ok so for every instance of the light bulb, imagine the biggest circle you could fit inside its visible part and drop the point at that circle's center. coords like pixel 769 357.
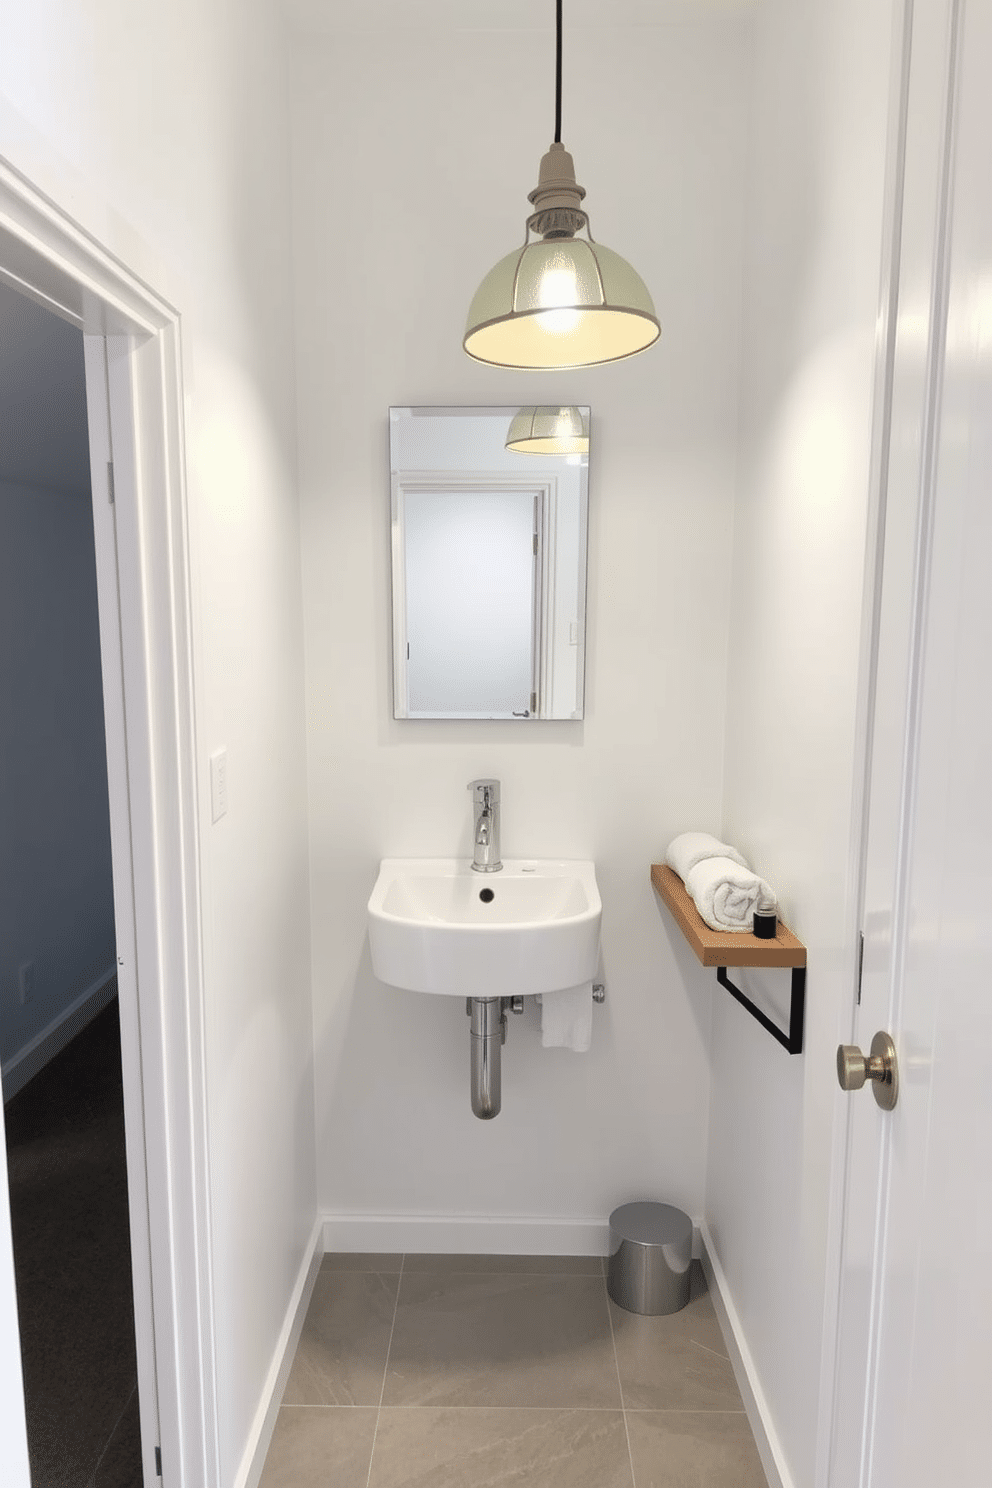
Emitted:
pixel 558 292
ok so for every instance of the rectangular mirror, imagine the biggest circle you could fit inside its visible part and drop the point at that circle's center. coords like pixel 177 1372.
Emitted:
pixel 489 561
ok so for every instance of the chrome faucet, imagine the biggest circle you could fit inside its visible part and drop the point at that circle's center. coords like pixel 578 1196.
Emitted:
pixel 485 831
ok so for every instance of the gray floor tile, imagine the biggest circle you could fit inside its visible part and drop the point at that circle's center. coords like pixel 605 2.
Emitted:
pixel 698 1320
pixel 320 1447
pixel 500 1448
pixel 677 1362
pixel 693 1449
pixel 342 1350
pixel 502 1340
pixel 542 1265
pixel 353 1260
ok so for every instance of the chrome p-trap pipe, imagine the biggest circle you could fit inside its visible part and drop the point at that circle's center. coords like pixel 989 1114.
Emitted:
pixel 488 1032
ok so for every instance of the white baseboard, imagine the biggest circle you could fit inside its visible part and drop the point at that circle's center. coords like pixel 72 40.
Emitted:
pixel 446 1234
pixel 25 1064
pixel 264 1424
pixel 755 1404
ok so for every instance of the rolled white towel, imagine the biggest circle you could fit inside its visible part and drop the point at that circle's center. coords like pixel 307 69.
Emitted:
pixel 693 847
pixel 727 895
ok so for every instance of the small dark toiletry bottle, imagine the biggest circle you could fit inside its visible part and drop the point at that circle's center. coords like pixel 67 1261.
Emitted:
pixel 765 924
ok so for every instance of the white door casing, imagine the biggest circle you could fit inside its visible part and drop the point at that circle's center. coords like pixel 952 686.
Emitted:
pixel 916 1297
pixel 143 589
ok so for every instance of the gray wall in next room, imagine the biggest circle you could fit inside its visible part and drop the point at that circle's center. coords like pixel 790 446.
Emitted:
pixel 56 890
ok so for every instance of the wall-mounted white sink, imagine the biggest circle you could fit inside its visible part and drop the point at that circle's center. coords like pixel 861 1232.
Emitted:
pixel 437 925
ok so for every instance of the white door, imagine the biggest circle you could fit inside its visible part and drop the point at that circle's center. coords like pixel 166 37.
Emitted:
pixel 913 1397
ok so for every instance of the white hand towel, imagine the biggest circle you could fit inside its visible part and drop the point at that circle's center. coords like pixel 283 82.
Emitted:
pixel 727 895
pixel 693 847
pixel 566 1018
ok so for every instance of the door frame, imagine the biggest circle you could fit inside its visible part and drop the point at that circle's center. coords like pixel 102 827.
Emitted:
pixel 153 797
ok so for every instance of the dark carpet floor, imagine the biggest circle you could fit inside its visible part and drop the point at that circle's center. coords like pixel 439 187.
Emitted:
pixel 68 1195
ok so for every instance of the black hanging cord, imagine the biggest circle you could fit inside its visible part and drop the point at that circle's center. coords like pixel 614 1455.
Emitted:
pixel 558 76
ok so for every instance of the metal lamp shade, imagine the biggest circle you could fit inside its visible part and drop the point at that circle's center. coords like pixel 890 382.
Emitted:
pixel 549 431
pixel 562 302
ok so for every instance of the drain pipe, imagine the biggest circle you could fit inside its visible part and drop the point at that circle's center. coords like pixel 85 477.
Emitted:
pixel 488 1016
pixel 488 1034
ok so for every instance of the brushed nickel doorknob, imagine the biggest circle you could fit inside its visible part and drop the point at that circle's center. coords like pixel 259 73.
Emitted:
pixel 880 1067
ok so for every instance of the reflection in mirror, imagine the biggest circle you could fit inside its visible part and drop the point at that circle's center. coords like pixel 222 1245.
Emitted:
pixel 549 431
pixel 489 568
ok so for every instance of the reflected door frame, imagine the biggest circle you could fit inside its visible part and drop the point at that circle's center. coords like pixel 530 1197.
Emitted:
pixel 545 492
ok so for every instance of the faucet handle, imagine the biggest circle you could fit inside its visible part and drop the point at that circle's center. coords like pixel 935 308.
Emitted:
pixel 486 791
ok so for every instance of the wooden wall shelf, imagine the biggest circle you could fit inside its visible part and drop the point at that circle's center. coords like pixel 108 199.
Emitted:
pixel 713 948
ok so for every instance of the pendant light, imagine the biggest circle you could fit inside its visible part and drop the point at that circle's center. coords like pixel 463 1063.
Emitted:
pixel 563 301
pixel 549 431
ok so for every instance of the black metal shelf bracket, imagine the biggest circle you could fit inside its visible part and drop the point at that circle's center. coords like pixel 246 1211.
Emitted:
pixel 793 1040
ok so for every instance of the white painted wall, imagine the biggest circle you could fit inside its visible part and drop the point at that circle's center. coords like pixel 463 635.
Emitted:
pixel 811 297
pixel 414 150
pixel 163 130
pixel 56 889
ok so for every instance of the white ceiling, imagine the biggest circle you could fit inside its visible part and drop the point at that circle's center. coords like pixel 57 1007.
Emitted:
pixel 43 436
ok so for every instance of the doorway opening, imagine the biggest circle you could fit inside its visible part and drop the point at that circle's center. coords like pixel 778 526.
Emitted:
pixel 131 342
pixel 60 1032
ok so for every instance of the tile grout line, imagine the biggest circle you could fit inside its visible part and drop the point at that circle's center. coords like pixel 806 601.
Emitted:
pixel 616 1365
pixel 606 1410
pixel 715 1353
pixel 683 1410
pixel 385 1370
pixel 611 1410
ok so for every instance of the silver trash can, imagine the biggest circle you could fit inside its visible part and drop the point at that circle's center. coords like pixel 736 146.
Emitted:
pixel 650 1256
